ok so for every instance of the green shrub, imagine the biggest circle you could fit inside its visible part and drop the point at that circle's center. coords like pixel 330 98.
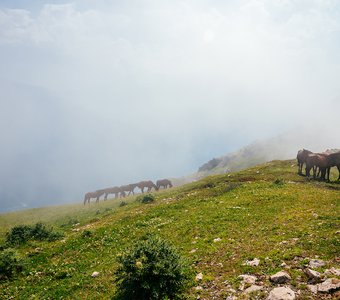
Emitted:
pixel 148 198
pixel 21 234
pixel 278 181
pixel 86 233
pixel 151 269
pixel 123 203
pixel 9 264
pixel 18 235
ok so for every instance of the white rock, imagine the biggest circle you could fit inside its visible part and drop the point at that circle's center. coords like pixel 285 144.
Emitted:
pixel 312 288
pixel 329 286
pixel 281 293
pixel 199 276
pixel 316 263
pixel 332 271
pixel 198 288
pixel 193 251
pixel 248 279
pixel 254 263
pixel 217 240
pixel 280 277
pixel 313 276
pixel 253 288
pixel 95 274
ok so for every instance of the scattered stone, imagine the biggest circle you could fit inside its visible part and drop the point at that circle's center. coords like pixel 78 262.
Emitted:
pixel 312 288
pixel 199 276
pixel 253 288
pixel 280 277
pixel 338 232
pixel 281 293
pixel 254 263
pixel 198 288
pixel 313 276
pixel 248 279
pixel 329 286
pixel 315 215
pixel 316 263
pixel 95 274
pixel 283 243
pixel 217 240
pixel 193 251
pixel 332 271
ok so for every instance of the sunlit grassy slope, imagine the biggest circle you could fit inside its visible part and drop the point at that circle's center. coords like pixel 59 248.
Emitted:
pixel 267 212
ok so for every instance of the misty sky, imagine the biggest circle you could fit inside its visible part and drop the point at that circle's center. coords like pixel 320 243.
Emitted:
pixel 103 93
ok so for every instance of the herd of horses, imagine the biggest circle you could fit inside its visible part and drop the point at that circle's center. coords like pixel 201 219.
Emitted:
pixel 126 190
pixel 320 163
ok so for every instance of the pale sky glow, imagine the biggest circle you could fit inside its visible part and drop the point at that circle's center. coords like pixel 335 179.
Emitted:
pixel 103 93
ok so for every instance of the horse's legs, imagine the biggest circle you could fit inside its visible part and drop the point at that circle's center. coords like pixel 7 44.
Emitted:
pixel 327 173
pixel 307 171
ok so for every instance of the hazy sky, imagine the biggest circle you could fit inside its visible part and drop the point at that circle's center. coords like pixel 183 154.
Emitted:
pixel 102 93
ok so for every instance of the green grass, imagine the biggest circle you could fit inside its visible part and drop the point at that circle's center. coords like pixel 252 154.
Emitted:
pixel 268 212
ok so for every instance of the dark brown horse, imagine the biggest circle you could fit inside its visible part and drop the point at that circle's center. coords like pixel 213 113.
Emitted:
pixel 90 195
pixel 163 183
pixel 301 158
pixel 146 184
pixel 314 161
pixel 333 160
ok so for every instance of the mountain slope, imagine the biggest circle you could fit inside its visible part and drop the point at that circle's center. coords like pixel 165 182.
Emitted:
pixel 218 223
pixel 283 146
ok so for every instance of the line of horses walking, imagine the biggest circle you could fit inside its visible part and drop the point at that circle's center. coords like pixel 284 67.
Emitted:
pixel 320 163
pixel 126 190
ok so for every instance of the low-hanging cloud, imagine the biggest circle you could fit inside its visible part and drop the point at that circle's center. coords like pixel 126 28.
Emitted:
pixel 98 94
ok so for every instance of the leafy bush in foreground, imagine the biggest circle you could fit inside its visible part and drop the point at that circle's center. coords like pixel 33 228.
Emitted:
pixel 151 269
pixel 21 234
pixel 149 198
pixel 9 264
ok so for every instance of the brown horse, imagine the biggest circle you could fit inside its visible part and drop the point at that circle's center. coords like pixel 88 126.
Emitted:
pixel 163 183
pixel 146 184
pixel 333 160
pixel 129 188
pixel 301 158
pixel 314 161
pixel 90 195
pixel 113 190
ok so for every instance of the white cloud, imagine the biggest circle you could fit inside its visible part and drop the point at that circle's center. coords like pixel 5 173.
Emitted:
pixel 149 87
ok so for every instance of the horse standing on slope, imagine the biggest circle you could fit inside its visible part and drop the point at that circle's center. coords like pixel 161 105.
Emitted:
pixel 164 183
pixel 113 190
pixel 146 184
pixel 90 195
pixel 333 160
pixel 301 158
pixel 314 161
pixel 129 188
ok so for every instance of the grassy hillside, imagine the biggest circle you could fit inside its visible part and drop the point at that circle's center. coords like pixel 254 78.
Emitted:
pixel 266 212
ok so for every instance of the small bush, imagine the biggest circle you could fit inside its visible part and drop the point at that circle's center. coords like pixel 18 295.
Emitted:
pixel 18 235
pixel 279 181
pixel 86 234
pixel 21 234
pixel 151 269
pixel 149 198
pixel 9 264
pixel 123 203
